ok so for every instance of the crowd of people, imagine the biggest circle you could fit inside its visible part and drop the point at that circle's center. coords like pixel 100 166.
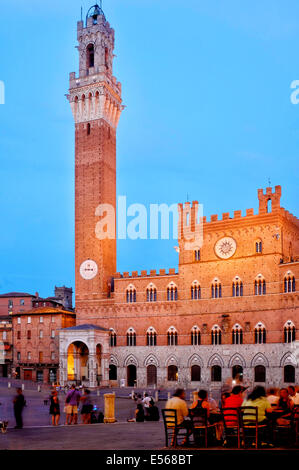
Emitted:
pixel 273 407
pixel 146 409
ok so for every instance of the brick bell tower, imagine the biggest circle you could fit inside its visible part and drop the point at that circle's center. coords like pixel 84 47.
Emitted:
pixel 95 98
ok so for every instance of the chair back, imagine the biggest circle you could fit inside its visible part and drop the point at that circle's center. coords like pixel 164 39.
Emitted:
pixel 230 417
pixel 249 415
pixel 169 418
pixel 199 417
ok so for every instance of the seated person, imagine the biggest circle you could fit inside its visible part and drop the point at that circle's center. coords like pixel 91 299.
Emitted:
pixel 139 415
pixel 286 405
pixel 152 412
pixel 201 403
pixel 178 403
pixel 257 398
pixel 272 397
pixel 235 400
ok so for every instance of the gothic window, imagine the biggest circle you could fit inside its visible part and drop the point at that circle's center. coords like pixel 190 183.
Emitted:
pixel 289 332
pixel 151 293
pixel 260 285
pixel 112 372
pixel 131 337
pixel 172 337
pixel 151 337
pixel 195 373
pixel 88 129
pixel 195 336
pixel 112 338
pixel 237 334
pixel 195 291
pixel 260 334
pixel 172 292
pixel 216 374
pixel 289 374
pixel 260 373
pixel 216 289
pixel 197 255
pixel 131 294
pixel 172 373
pixel 216 335
pixel 90 55
pixel 289 283
pixel 237 287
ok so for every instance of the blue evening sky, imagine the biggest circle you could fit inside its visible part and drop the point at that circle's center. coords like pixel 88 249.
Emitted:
pixel 206 86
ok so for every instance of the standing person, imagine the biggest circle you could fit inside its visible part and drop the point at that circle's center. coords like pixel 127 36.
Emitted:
pixel 72 402
pixel 178 403
pixel 55 408
pixel 146 403
pixel 87 407
pixel 19 403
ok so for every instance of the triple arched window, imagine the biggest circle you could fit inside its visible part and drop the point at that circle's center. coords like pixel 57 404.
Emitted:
pixel 131 337
pixel 131 294
pixel 172 292
pixel 259 285
pixel 151 337
pixel 289 331
pixel 172 337
pixel 151 293
pixel 289 282
pixel 237 287
pixel 216 335
pixel 216 289
pixel 237 334
pixel 112 338
pixel 260 334
pixel 195 291
pixel 195 336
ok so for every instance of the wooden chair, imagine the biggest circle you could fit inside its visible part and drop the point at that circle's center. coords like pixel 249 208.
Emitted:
pixel 199 417
pixel 288 432
pixel 250 426
pixel 231 420
pixel 172 429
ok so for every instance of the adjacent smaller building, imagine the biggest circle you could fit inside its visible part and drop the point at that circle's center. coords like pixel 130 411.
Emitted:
pixel 35 340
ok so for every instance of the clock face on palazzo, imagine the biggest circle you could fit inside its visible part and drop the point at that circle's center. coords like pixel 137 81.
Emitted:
pixel 225 247
pixel 88 269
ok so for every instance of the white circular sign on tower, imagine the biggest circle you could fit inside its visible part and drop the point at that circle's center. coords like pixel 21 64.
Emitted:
pixel 88 269
pixel 225 247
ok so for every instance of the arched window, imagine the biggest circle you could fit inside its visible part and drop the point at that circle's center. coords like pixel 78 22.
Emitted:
pixel 195 336
pixel 260 373
pixel 90 55
pixel 259 285
pixel 112 372
pixel 131 294
pixel 289 332
pixel 260 334
pixel 197 255
pixel 237 287
pixel 195 373
pixel 195 291
pixel 289 374
pixel 216 335
pixel 172 373
pixel 112 338
pixel 237 373
pixel 237 334
pixel 216 289
pixel 216 374
pixel 151 337
pixel 172 292
pixel 131 337
pixel 258 246
pixel 289 282
pixel 88 129
pixel 172 337
pixel 151 293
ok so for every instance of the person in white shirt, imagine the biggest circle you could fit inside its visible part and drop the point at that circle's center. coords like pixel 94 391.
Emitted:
pixel 293 395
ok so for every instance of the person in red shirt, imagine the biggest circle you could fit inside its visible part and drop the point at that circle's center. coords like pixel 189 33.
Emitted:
pixel 235 400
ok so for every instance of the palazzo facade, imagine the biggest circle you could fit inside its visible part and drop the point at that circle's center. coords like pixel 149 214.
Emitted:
pixel 230 311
